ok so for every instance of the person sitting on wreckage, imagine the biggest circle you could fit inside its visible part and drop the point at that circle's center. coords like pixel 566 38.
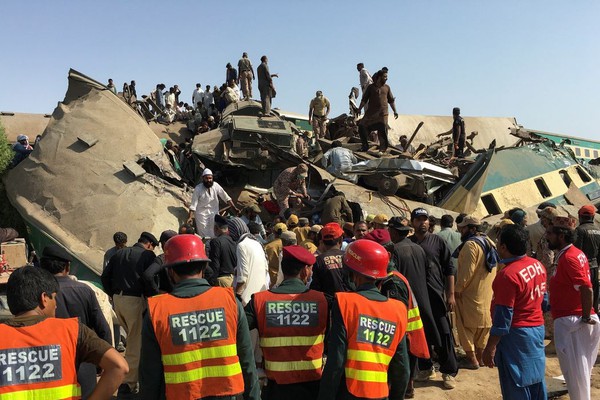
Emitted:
pixel 338 160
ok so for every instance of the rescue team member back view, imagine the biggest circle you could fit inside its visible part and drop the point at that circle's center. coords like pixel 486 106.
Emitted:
pixel 291 322
pixel 195 340
pixel 364 357
pixel 39 353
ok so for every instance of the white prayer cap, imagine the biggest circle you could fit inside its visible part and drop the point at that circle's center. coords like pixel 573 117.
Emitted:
pixel 206 172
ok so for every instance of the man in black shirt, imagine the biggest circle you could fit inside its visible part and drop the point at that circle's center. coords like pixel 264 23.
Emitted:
pixel 440 283
pixel 122 281
pixel 156 279
pixel 587 239
pixel 328 276
pixel 222 253
pixel 76 299
pixel 458 133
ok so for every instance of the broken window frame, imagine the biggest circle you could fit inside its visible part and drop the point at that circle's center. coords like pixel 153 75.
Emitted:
pixel 540 183
pixel 566 178
pixel 490 204
pixel 583 175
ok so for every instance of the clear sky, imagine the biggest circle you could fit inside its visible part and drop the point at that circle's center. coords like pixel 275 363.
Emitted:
pixel 534 60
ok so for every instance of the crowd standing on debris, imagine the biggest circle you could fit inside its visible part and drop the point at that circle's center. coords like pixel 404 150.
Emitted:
pixel 268 301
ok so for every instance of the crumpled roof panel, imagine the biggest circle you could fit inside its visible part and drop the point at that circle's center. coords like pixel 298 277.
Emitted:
pixel 74 187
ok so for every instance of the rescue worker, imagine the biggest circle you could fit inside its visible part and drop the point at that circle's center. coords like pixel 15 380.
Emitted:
pixel 195 340
pixel 36 341
pixel 317 114
pixel 396 286
pixel 364 355
pixel 76 300
pixel 291 322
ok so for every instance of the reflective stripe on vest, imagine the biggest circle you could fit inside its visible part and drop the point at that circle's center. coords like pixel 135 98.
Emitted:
pixel 54 393
pixel 40 360
pixel 417 341
pixel 291 329
pixel 374 330
pixel 197 338
pixel 291 341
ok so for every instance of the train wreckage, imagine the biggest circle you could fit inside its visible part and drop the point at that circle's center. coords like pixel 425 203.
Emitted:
pixel 99 167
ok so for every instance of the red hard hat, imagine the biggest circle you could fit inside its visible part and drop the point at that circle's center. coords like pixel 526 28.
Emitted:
pixel 367 257
pixel 184 249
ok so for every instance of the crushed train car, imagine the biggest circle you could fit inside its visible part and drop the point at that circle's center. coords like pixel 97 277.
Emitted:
pixel 88 177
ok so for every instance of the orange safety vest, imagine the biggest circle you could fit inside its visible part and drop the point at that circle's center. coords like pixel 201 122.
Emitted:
pixel 374 330
pixel 414 330
pixel 197 338
pixel 292 330
pixel 38 361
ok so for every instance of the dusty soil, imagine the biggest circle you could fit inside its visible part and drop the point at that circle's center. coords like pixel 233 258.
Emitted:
pixel 483 384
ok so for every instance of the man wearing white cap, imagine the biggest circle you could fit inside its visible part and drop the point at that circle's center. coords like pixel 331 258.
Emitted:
pixel 22 149
pixel 205 204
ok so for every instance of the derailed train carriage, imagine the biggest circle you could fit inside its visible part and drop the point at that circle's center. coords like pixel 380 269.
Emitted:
pixel 99 168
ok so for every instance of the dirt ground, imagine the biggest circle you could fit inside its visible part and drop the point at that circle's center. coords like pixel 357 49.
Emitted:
pixel 483 384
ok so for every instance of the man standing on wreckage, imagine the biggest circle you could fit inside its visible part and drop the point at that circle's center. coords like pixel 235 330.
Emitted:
pixel 378 95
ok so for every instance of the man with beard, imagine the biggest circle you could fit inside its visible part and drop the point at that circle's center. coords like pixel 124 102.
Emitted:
pixel 576 328
pixel 440 282
pixel 205 204
pixel 411 261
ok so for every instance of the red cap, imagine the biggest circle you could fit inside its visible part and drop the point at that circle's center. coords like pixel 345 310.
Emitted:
pixel 298 253
pixel 331 231
pixel 380 236
pixel 587 210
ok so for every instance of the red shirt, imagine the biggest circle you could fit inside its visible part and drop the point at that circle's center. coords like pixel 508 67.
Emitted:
pixel 571 272
pixel 521 285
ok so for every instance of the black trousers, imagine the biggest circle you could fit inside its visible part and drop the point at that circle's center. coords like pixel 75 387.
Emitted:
pixel 381 128
pixel 460 151
pixel 446 356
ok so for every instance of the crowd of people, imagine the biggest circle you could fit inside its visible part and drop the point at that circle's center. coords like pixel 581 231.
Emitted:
pixel 339 305
pixel 206 106
pixel 335 304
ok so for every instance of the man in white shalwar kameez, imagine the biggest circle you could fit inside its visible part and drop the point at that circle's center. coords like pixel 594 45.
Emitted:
pixel 576 325
pixel 205 204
